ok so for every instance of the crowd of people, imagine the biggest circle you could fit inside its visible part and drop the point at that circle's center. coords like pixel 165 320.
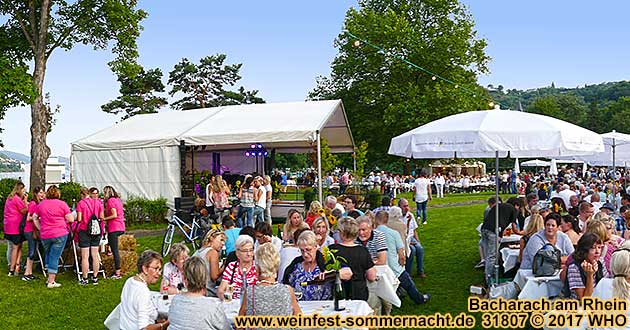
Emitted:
pixel 586 218
pixel 270 273
pixel 43 219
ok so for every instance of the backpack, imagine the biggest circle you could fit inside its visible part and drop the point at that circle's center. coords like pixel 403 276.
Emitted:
pixel 546 261
pixel 94 224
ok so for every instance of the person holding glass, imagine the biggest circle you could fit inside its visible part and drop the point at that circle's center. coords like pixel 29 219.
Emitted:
pixel 241 272
pixel 173 278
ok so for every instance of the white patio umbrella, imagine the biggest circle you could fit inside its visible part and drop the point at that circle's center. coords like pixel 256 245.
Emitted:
pixel 495 133
pixel 536 163
pixel 616 150
pixel 517 169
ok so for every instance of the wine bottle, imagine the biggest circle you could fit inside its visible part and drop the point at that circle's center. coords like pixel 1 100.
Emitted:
pixel 328 278
pixel 338 294
pixel 279 232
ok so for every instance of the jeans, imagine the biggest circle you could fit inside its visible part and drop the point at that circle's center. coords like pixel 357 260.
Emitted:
pixel 54 248
pixel 421 208
pixel 417 251
pixel 259 214
pixel 407 283
pixel 245 212
pixel 32 246
pixel 112 239
pixel 489 244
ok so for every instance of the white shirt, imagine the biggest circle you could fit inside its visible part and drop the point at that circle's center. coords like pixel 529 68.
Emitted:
pixel 422 189
pixel 439 180
pixel 286 257
pixel 268 188
pixel 411 227
pixel 262 200
pixel 137 310
pixel 566 196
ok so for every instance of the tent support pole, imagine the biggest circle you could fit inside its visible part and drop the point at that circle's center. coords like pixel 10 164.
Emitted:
pixel 319 167
pixel 496 218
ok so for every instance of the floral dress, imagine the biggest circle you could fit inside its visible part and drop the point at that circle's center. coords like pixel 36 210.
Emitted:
pixel 309 292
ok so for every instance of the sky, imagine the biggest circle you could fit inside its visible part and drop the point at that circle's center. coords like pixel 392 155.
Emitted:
pixel 285 45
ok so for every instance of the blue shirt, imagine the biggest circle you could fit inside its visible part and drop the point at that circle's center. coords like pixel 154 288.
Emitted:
pixel 394 243
pixel 232 235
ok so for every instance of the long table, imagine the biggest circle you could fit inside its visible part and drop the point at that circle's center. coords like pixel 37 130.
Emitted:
pixel 321 307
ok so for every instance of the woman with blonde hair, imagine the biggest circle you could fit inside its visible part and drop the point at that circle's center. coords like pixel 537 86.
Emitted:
pixel 536 224
pixel 294 222
pixel 115 219
pixel 219 195
pixel 14 211
pixel 313 213
pixel 603 230
pixel 267 296
pixel 210 252
pixel 322 232
pixel 193 309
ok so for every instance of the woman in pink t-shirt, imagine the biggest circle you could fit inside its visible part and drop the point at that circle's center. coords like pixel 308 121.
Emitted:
pixel 14 211
pixel 31 233
pixel 89 205
pixel 115 217
pixel 53 217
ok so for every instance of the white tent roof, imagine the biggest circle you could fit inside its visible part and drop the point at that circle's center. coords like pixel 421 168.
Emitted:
pixel 288 127
pixel 482 133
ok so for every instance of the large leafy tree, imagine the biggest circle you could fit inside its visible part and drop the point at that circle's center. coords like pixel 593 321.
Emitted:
pixel 137 94
pixel 42 26
pixel 383 95
pixel 205 84
pixel 567 107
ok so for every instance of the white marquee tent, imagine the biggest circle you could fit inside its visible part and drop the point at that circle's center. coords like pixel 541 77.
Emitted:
pixel 141 155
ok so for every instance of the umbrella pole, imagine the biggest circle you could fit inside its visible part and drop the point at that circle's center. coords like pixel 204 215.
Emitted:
pixel 496 218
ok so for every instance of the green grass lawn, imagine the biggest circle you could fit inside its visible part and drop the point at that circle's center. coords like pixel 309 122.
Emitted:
pixel 451 251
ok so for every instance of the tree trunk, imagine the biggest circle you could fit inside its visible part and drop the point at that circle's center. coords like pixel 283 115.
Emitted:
pixel 40 125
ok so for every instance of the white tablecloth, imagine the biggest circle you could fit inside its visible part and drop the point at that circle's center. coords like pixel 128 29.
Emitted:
pixel 386 284
pixel 510 257
pixel 537 287
pixel 321 307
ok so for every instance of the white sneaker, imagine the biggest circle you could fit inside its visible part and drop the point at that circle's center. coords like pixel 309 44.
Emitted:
pixel 52 285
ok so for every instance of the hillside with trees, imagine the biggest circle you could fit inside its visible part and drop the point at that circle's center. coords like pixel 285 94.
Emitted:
pixel 601 108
